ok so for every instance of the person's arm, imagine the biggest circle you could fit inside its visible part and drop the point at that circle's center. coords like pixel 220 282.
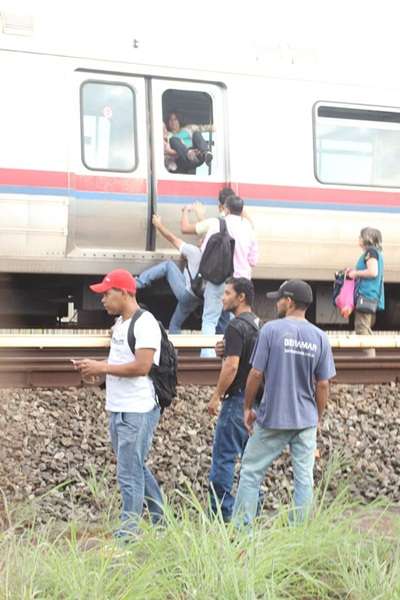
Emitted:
pixel 168 151
pixel 166 233
pixel 199 210
pixel 226 377
pixel 321 396
pixel 233 350
pixel 253 383
pixel 253 253
pixel 139 367
pixel 325 370
pixel 186 226
pixel 245 215
pixel 193 127
pixel 167 148
pixel 371 271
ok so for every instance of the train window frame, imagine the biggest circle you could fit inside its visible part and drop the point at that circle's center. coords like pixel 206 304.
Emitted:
pixel 354 112
pixel 210 100
pixel 81 118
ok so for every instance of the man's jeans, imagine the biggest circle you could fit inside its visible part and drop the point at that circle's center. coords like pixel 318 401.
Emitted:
pixel 211 313
pixel 187 302
pixel 224 319
pixel 230 439
pixel 131 436
pixel 263 447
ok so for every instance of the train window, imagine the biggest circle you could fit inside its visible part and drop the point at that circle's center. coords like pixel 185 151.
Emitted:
pixel 357 146
pixel 188 132
pixel 108 127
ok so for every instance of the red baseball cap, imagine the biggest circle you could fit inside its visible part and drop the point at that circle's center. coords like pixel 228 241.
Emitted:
pixel 119 279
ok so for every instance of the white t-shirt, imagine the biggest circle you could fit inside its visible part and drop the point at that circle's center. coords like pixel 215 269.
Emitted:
pixel 192 254
pixel 132 394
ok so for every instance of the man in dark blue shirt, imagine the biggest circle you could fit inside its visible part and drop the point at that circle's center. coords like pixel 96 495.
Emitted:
pixel 296 361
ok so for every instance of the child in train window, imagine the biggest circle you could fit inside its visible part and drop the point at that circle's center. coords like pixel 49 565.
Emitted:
pixel 185 149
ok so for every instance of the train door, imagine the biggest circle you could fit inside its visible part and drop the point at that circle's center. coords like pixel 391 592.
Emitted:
pixel 109 208
pixel 197 109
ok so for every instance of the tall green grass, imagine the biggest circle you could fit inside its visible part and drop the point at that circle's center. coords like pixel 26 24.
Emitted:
pixel 192 557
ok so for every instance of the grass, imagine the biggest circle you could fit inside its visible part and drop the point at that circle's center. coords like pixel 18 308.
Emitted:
pixel 329 557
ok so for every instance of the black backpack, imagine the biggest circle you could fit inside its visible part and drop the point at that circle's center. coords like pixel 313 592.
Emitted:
pixel 164 375
pixel 197 285
pixel 340 277
pixel 216 263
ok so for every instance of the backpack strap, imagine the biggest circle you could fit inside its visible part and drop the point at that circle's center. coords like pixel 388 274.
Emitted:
pixel 131 334
pixel 244 324
pixel 254 323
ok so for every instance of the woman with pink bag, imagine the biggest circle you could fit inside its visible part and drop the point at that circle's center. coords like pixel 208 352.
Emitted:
pixel 369 285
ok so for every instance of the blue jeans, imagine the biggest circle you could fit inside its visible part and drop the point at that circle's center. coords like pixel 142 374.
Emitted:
pixel 230 438
pixel 223 321
pixel 131 436
pixel 263 447
pixel 211 313
pixel 187 302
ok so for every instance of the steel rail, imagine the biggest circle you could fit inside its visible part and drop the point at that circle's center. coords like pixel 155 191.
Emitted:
pixel 52 367
pixel 95 340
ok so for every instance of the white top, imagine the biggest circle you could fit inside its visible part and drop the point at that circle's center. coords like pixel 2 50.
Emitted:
pixel 132 394
pixel 192 254
pixel 246 251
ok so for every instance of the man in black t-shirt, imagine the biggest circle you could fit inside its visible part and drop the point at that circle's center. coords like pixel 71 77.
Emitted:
pixel 230 435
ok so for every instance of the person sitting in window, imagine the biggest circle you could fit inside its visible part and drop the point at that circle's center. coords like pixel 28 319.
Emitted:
pixel 169 154
pixel 185 146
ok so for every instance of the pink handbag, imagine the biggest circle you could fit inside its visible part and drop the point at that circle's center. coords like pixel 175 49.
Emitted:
pixel 345 299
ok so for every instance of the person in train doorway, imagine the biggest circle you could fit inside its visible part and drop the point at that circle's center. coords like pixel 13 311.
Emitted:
pixel 130 398
pixel 245 256
pixel 295 360
pixel 230 436
pixel 201 228
pixel 179 282
pixel 369 276
pixel 185 145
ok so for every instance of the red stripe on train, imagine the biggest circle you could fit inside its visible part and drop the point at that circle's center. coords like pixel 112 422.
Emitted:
pixel 100 183
pixel 188 188
pixel 85 183
pixel 33 178
pixel 253 191
pixel 329 195
pixel 277 192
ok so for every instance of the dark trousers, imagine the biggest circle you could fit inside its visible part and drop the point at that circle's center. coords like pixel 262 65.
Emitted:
pixel 223 321
pixel 185 165
pixel 230 438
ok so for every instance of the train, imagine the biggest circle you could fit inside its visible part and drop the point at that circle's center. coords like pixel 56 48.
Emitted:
pixel 82 170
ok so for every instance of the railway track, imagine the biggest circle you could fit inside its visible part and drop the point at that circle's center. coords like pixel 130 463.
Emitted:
pixel 43 359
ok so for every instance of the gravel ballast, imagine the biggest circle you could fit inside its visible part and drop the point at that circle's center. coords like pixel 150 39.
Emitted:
pixel 59 437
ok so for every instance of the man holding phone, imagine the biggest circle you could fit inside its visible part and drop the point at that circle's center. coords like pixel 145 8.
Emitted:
pixel 130 397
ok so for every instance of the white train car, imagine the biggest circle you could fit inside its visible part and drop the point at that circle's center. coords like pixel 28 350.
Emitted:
pixel 82 168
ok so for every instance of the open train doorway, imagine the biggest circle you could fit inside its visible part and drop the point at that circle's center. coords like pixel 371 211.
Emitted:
pixel 190 154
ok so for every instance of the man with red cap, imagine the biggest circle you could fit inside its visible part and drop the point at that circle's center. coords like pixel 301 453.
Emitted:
pixel 130 397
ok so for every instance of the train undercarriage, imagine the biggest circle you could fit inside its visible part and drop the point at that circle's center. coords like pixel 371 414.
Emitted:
pixel 65 301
